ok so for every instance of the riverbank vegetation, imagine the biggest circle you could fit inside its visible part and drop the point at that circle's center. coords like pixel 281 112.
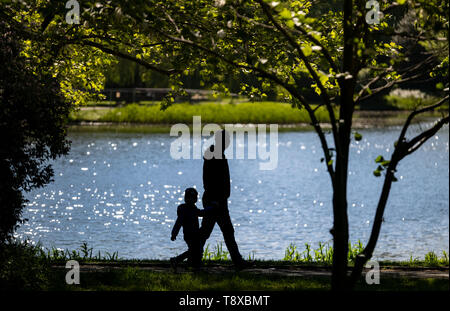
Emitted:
pixel 210 112
pixel 27 266
pixel 227 111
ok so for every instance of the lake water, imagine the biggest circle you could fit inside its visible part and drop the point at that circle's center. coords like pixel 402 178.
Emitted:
pixel 119 192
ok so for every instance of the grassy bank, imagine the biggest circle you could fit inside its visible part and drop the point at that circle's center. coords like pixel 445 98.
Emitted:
pixel 322 255
pixel 132 278
pixel 24 266
pixel 210 112
pixel 149 118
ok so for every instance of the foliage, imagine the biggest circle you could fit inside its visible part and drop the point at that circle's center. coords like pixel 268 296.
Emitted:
pixel 432 259
pixel 84 253
pixel 33 125
pixel 217 254
pixel 323 254
pixel 22 267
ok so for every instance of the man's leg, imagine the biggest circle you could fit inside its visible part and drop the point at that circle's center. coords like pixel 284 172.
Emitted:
pixel 207 226
pixel 206 229
pixel 224 222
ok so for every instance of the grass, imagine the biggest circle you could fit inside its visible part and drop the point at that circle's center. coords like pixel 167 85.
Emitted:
pixel 210 112
pixel 132 278
pixel 135 279
pixel 26 266
pixel 321 256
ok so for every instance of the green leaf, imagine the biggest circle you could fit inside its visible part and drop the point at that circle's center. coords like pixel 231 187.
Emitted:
pixel 379 159
pixel 358 136
pixel 377 173
pixel 285 14
pixel 306 49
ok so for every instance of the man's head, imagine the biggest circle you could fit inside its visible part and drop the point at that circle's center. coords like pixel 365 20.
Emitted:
pixel 222 138
pixel 190 195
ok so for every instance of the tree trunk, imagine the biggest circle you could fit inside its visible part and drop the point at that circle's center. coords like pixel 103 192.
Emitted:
pixel 346 108
pixel 340 238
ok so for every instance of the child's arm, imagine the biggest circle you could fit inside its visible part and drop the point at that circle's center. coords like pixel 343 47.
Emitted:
pixel 176 229
pixel 177 225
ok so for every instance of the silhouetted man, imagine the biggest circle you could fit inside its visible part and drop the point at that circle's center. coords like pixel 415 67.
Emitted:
pixel 216 182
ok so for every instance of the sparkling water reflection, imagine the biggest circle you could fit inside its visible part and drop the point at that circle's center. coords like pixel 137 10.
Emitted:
pixel 119 192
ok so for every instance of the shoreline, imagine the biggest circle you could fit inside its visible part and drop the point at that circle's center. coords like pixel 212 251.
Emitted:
pixel 367 119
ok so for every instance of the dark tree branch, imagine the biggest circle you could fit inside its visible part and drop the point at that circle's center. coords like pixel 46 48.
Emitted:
pixel 390 84
pixel 420 139
pixel 324 93
pixel 413 114
pixel 124 56
pixel 402 149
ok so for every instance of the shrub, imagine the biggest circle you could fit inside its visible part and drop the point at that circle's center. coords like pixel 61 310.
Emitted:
pixel 22 267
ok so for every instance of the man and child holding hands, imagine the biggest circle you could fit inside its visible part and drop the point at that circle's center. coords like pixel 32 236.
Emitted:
pixel 216 183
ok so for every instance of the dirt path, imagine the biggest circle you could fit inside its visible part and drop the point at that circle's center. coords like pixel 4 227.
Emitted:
pixel 438 273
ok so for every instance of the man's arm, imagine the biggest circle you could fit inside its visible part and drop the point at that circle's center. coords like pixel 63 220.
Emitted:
pixel 226 180
pixel 200 212
pixel 206 175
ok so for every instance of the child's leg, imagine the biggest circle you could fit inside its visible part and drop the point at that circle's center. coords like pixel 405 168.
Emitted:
pixel 195 252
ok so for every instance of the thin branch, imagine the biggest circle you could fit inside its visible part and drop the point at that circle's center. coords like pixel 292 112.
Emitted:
pixel 420 139
pixel 413 114
pixel 173 22
pixel 324 93
pixel 373 81
pixel 124 56
pixel 388 85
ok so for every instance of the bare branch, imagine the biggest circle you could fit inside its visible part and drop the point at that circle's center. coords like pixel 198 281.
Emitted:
pixel 420 139
pixel 388 85
pixel 373 81
pixel 413 114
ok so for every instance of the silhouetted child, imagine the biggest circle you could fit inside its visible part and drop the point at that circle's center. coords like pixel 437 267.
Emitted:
pixel 188 214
